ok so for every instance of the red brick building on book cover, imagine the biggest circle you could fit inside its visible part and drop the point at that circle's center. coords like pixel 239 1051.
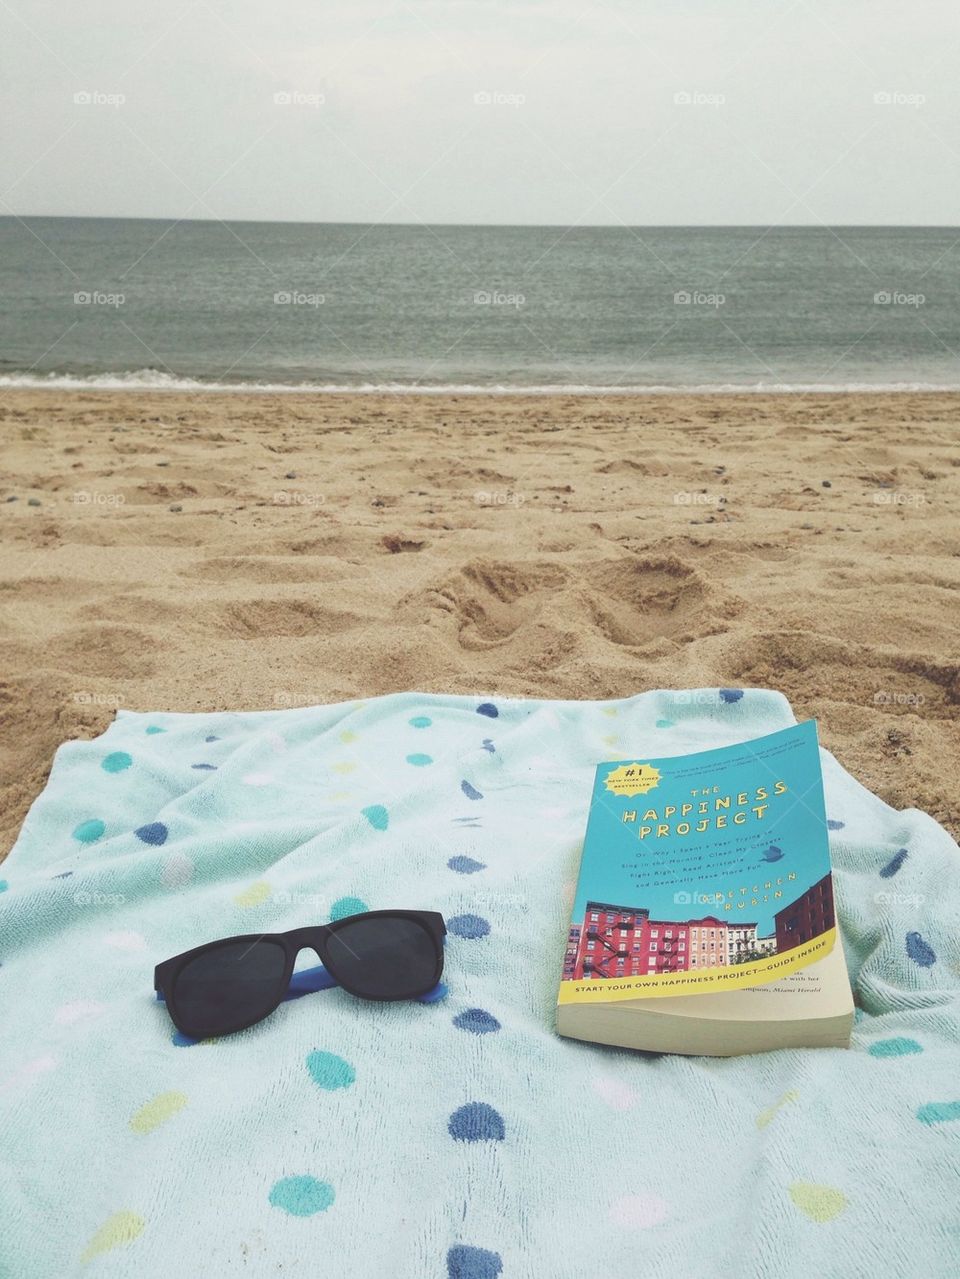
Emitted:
pixel 809 916
pixel 623 941
pixel 609 943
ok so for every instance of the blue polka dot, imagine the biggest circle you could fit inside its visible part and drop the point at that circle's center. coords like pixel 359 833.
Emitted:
pixel 898 1047
pixel 832 825
pixel 180 1040
pixel 665 723
pixel 63 875
pixel 488 708
pixel 90 831
pixel 477 1021
pixel 488 745
pixel 345 906
pixel 419 761
pixel 211 738
pixel 465 865
pixel 116 762
pixel 421 721
pixel 154 728
pixel 302 1196
pixel 464 1262
pixel 476 1121
pixel 329 1071
pixel 152 833
pixel 894 864
pixel 469 926
pixel 471 792
pixel 440 991
pixel 377 816
pixel 920 951
pixel 212 768
pixel 731 694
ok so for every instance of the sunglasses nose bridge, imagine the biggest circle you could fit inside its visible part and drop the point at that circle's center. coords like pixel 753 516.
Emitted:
pixel 306 939
pixel 298 951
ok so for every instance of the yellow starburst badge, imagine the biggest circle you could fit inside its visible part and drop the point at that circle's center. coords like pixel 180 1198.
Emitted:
pixel 632 779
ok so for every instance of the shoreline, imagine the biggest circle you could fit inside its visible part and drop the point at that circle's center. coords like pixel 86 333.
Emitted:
pixel 236 551
pixel 116 385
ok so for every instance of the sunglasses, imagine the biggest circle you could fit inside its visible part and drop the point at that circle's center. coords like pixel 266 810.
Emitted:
pixel 228 985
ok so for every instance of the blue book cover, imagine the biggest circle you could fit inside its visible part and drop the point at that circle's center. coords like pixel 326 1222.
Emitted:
pixel 702 872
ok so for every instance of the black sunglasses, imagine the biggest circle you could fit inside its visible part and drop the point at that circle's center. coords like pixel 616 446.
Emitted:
pixel 228 985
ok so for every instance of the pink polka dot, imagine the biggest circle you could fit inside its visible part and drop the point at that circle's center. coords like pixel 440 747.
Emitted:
pixel 126 941
pixel 276 741
pixel 177 871
pixel 79 1010
pixel 615 1093
pixel 39 1066
pixel 639 1212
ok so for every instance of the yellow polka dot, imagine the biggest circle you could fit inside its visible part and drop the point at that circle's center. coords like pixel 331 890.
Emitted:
pixel 610 710
pixel 343 769
pixel 611 740
pixel 767 1116
pixel 347 737
pixel 819 1203
pixel 157 1111
pixel 122 1227
pixel 253 895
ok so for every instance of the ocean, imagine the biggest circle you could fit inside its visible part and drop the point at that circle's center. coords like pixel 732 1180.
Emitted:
pixel 117 303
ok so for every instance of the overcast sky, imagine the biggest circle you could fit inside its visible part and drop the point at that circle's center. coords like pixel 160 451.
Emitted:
pixel 566 112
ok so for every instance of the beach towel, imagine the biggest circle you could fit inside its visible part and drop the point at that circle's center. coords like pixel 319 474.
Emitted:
pixel 457 1138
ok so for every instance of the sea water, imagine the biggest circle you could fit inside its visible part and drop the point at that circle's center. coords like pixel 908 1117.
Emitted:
pixel 127 303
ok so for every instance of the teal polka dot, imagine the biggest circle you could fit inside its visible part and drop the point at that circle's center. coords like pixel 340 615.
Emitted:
pixel 421 721
pixel 345 906
pixel 117 762
pixel 302 1196
pixel 90 831
pixel 377 816
pixel 898 1047
pixel 419 761
pixel 154 728
pixel 939 1112
pixel 3 885
pixel 664 723
pixel 330 1071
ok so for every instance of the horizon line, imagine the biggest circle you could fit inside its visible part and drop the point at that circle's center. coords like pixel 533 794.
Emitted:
pixel 480 226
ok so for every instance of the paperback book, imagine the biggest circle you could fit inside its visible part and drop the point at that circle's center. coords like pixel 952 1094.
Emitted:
pixel 704 917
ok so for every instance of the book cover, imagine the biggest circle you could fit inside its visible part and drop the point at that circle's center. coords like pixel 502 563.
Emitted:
pixel 702 873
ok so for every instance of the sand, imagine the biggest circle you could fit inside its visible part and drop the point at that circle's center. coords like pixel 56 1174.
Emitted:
pixel 235 551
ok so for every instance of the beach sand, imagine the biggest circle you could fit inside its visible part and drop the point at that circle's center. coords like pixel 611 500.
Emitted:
pixel 208 552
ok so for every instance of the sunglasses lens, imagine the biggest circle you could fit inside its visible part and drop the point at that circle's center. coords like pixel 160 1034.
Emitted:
pixel 229 986
pixel 384 958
